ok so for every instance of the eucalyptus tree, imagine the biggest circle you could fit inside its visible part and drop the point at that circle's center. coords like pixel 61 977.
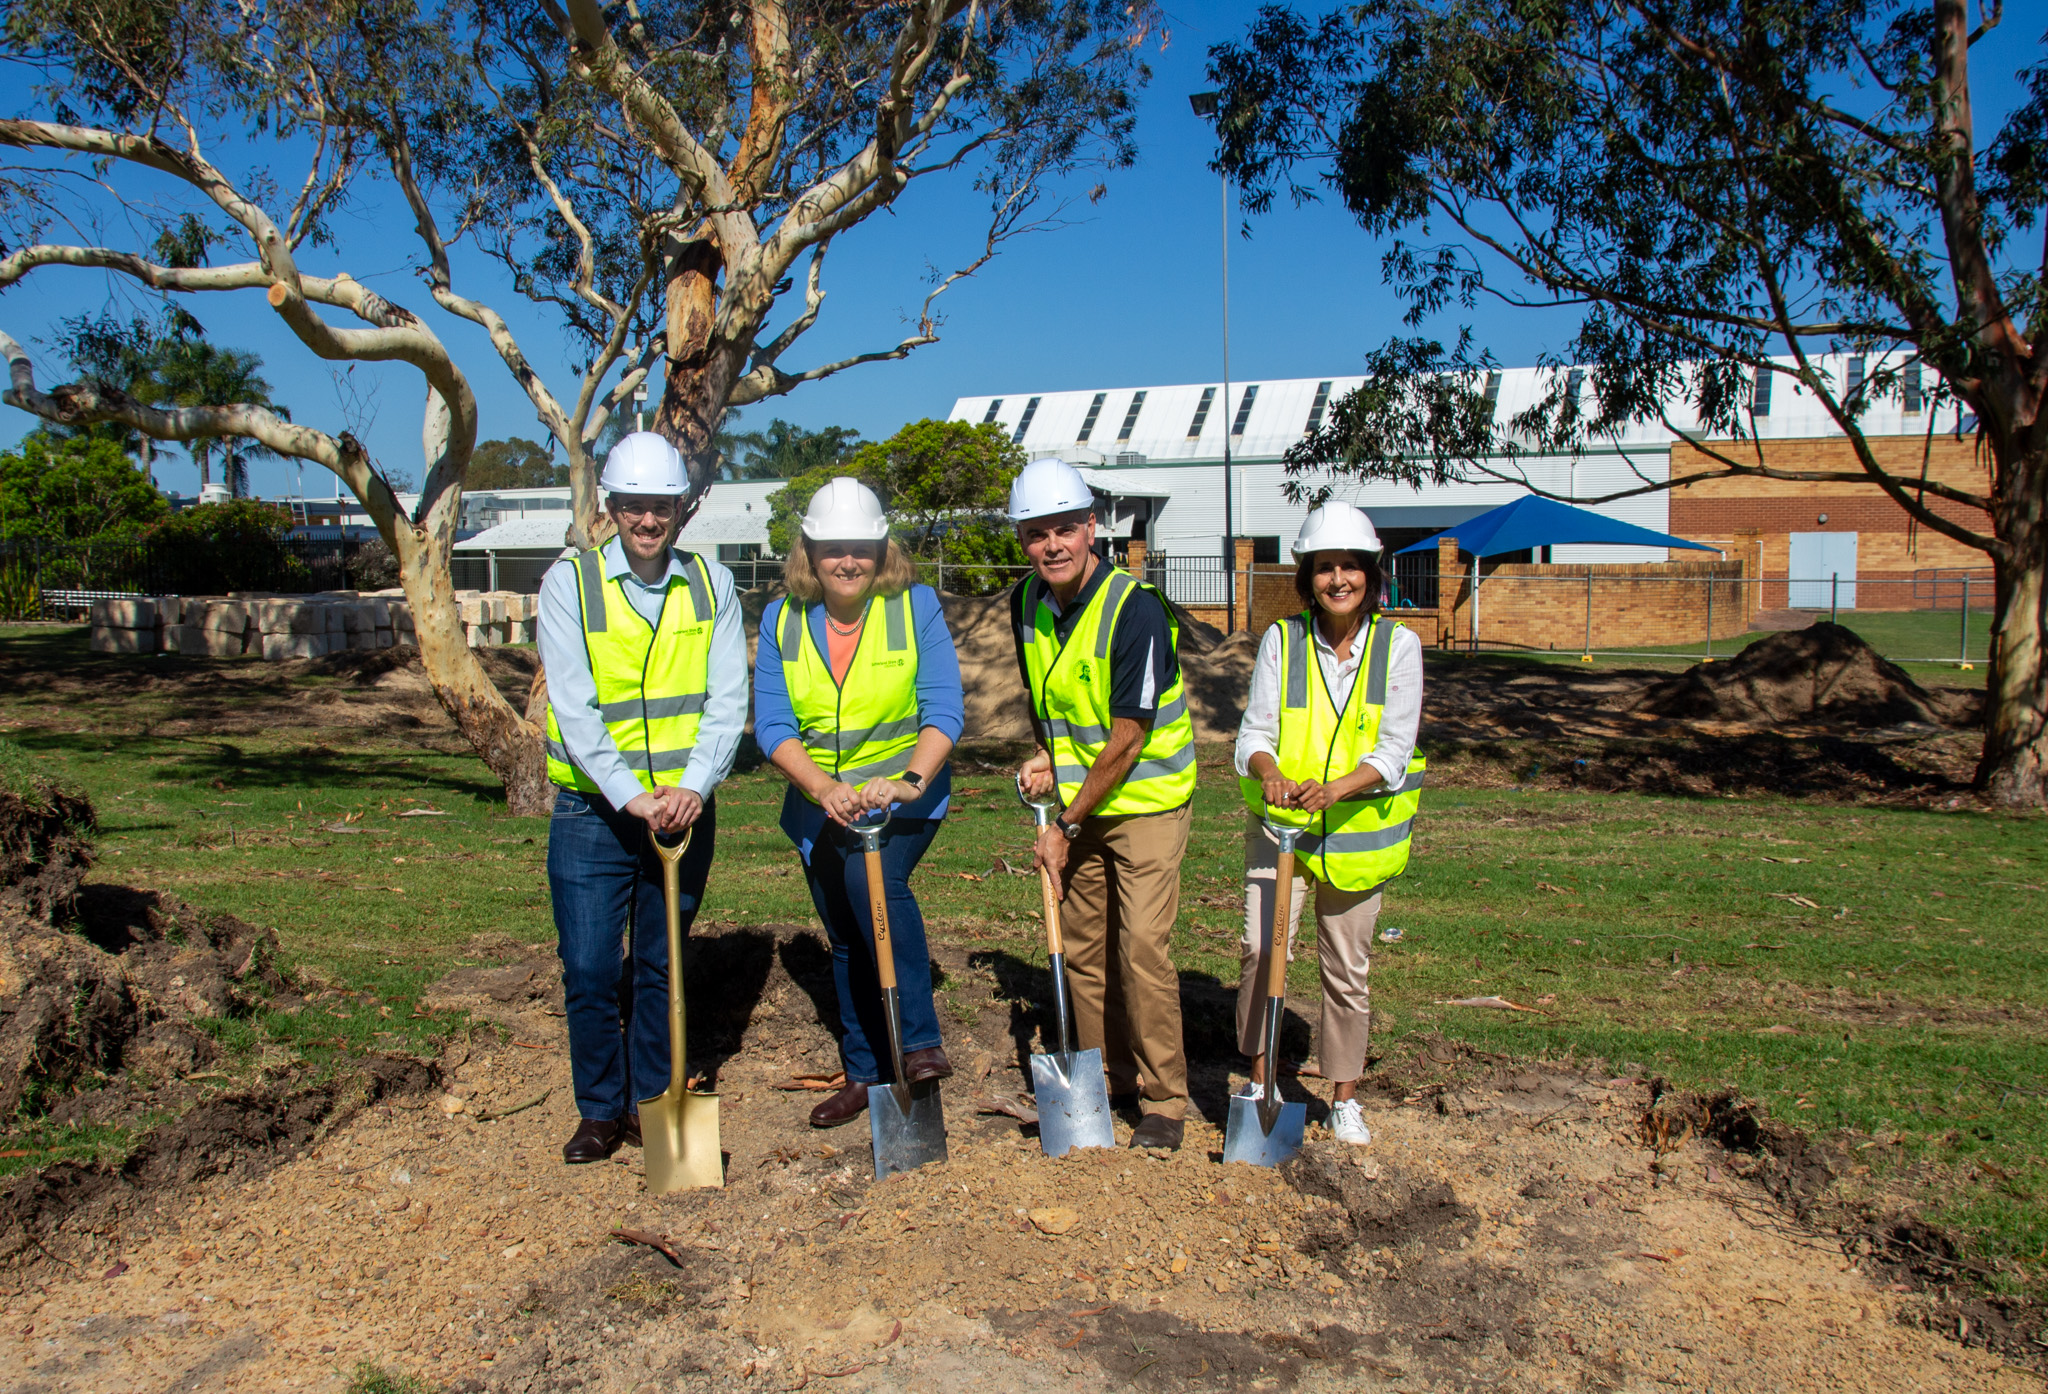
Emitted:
pixel 665 178
pixel 1721 193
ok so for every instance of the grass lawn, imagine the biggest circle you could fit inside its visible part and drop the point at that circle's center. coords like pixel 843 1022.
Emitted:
pixel 1867 972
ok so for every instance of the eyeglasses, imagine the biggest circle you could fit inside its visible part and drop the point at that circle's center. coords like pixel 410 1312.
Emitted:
pixel 662 509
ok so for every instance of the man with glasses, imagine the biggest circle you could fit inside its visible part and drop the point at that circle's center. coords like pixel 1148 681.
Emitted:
pixel 646 665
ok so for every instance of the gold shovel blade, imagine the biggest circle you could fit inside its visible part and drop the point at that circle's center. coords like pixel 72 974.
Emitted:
pixel 679 1133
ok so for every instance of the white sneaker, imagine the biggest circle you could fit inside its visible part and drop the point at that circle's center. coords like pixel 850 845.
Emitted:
pixel 1347 1121
pixel 1251 1090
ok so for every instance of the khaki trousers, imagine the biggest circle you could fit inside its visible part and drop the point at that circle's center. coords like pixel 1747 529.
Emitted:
pixel 1344 928
pixel 1123 894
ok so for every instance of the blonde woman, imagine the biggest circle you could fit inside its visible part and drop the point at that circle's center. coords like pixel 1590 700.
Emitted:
pixel 1328 745
pixel 857 701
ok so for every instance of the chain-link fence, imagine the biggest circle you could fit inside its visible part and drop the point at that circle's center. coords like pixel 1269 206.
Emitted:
pixel 44 580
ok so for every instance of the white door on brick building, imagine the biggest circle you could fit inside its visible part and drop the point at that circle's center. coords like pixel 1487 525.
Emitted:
pixel 1817 560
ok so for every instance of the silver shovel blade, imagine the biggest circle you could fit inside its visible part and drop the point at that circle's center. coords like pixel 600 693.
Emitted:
pixel 1073 1102
pixel 1245 1141
pixel 908 1126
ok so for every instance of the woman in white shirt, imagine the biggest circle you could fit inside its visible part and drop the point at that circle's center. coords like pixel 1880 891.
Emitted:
pixel 1328 745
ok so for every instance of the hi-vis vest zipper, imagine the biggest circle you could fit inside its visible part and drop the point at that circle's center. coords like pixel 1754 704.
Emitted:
pixel 1357 844
pixel 1070 694
pixel 867 725
pixel 651 679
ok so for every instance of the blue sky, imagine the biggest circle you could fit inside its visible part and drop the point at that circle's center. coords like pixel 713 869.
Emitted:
pixel 1126 294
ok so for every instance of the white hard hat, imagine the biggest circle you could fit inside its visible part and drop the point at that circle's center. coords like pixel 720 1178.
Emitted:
pixel 1045 487
pixel 845 510
pixel 644 463
pixel 1336 527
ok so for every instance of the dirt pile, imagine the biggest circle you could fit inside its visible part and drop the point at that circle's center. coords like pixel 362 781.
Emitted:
pixel 1821 673
pixel 44 846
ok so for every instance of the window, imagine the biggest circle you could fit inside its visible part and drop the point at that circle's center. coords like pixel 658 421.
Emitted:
pixel 1131 417
pixel 1914 401
pixel 1024 421
pixel 1573 382
pixel 1760 392
pixel 993 408
pixel 1265 551
pixel 1244 409
pixel 1202 413
pixel 1855 376
pixel 1088 426
pixel 1492 391
pixel 1316 408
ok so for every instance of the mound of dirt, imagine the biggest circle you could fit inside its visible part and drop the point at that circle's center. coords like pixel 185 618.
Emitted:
pixel 44 851
pixel 121 988
pixel 1821 673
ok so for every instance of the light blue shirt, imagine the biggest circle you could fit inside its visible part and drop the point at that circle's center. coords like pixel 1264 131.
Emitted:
pixel 941 705
pixel 572 690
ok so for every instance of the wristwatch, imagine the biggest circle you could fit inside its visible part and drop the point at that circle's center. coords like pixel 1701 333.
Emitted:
pixel 1070 831
pixel 912 778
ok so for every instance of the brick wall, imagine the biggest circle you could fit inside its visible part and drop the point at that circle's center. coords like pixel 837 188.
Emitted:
pixel 1890 548
pixel 1620 606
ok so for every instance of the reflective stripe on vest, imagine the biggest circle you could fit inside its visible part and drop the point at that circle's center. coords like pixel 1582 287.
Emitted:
pixel 868 724
pixel 1358 844
pixel 652 679
pixel 1070 685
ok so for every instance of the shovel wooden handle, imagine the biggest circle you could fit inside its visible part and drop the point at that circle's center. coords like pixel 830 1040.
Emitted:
pixel 1283 918
pixel 878 912
pixel 1053 941
pixel 671 887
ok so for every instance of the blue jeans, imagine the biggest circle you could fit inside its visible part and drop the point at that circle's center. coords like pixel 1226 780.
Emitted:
pixel 606 883
pixel 837 872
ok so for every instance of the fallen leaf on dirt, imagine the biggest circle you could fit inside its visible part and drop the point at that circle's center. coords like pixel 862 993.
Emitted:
pixel 978 1068
pixel 1786 861
pixel 1795 899
pixel 1004 866
pixel 1090 1312
pixel 18 1152
pixel 423 813
pixel 336 828
pixel 833 1081
pixel 117 1270
pixel 1500 1003
pixel 650 1240
pixel 1547 999
pixel 1763 946
pixel 1054 1219
pixel 894 1332
pixel 1671 1257
pixel 1777 1031
pixel 1073 1340
pixel 1011 1105
pixel 451 1105
pixel 1555 890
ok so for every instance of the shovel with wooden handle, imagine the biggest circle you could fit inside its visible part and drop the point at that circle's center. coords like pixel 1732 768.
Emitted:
pixel 907 1121
pixel 679 1129
pixel 1068 1084
pixel 1264 1131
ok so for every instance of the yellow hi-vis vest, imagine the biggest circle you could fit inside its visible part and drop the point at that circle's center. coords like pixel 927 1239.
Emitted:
pixel 1070 697
pixel 1357 844
pixel 867 725
pixel 651 679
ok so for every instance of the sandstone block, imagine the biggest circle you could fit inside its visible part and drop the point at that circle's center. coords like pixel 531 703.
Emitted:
pixel 231 616
pixel 282 646
pixel 126 612
pixel 108 639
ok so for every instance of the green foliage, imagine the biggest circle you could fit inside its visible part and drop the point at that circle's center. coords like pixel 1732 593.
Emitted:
pixel 785 450
pixel 373 568
pixel 80 489
pixel 517 463
pixel 945 485
pixel 237 545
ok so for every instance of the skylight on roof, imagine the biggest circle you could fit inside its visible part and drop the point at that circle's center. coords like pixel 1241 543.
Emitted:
pixel 993 408
pixel 1088 425
pixel 1202 413
pixel 1244 409
pixel 1131 417
pixel 1316 408
pixel 1024 421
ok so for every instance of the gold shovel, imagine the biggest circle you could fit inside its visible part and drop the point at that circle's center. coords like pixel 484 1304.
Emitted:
pixel 679 1129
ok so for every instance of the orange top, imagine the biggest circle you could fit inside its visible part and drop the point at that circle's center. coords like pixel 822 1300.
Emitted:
pixel 839 647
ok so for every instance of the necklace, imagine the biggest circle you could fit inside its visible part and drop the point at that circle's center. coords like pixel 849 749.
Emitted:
pixel 844 631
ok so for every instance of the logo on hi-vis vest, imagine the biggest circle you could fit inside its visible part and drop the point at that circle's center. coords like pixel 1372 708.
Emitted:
pixel 1086 670
pixel 889 662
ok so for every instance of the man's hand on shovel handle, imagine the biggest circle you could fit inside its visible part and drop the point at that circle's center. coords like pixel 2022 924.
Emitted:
pixel 1050 852
pixel 1036 777
pixel 666 809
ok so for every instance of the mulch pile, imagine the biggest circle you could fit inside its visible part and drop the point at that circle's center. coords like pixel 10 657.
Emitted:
pixel 1821 673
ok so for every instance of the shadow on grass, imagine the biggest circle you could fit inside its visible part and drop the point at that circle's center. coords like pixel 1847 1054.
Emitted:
pixel 200 760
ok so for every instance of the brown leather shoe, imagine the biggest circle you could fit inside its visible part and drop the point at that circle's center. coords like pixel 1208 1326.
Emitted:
pixel 596 1139
pixel 931 1063
pixel 629 1130
pixel 845 1106
pixel 1158 1131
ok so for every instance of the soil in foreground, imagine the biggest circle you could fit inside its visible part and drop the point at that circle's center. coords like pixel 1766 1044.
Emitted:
pixel 1512 1226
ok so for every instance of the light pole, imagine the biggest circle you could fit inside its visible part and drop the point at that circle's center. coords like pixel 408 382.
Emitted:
pixel 1204 106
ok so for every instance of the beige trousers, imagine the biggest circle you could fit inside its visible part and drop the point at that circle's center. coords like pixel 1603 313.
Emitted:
pixel 1123 894
pixel 1344 928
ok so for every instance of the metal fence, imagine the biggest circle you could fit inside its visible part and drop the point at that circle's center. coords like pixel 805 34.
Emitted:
pixel 43 580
